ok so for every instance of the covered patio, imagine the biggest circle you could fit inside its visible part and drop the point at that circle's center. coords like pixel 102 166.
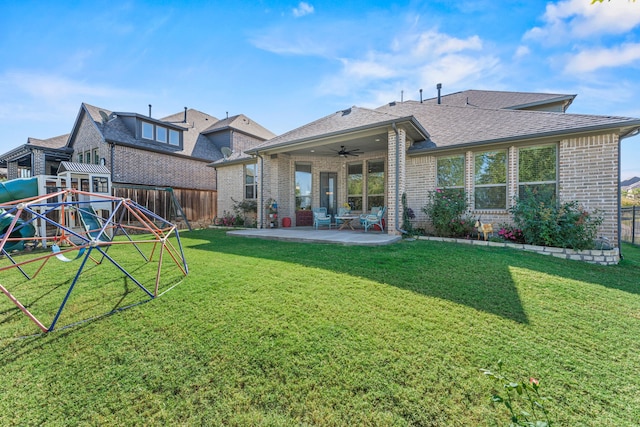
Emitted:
pixel 311 235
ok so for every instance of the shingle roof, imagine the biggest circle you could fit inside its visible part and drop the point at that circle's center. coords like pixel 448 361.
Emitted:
pixel 241 123
pixel 55 142
pixel 194 143
pixel 450 126
pixel 499 99
pixel 341 121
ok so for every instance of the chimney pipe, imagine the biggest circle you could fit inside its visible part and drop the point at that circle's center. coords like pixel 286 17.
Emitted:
pixel 439 86
pixel 149 110
pixel 185 115
pixel 402 96
pixel 420 96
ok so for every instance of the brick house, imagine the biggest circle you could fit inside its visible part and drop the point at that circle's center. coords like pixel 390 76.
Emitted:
pixel 140 150
pixel 36 157
pixel 491 144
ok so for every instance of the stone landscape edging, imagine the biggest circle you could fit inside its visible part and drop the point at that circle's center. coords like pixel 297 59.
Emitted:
pixel 592 256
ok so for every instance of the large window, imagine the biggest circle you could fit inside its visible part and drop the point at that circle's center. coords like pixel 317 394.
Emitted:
pixel 375 183
pixel 354 186
pixel 490 180
pixel 303 186
pixel 250 183
pixel 537 169
pixel 451 172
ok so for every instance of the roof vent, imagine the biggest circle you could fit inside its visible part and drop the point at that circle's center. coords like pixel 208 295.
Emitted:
pixel 149 110
pixel 439 86
pixel 185 115
pixel 346 112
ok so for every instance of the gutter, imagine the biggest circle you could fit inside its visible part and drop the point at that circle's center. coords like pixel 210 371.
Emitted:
pixel 534 136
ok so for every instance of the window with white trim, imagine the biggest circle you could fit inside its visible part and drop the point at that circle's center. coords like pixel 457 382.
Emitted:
pixel 490 180
pixel 354 185
pixel 147 130
pixel 450 172
pixel 174 137
pixel 375 183
pixel 161 134
pixel 250 182
pixel 537 169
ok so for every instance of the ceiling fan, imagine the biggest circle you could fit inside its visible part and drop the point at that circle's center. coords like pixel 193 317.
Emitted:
pixel 343 152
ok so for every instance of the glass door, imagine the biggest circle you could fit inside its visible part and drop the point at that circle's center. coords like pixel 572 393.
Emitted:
pixel 329 192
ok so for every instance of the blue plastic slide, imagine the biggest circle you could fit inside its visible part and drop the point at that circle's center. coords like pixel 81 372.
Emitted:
pixel 16 189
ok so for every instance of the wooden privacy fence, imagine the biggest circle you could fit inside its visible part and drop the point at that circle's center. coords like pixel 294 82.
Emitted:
pixel 630 225
pixel 198 206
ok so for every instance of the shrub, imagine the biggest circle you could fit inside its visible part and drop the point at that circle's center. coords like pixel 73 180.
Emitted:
pixel 229 220
pixel 446 208
pixel 510 233
pixel 547 222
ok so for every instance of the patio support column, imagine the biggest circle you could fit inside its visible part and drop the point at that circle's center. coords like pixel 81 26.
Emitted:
pixel 396 164
pixel 37 163
pixel 12 170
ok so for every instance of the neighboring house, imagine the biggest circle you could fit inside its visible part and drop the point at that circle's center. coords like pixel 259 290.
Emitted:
pixel 630 187
pixel 36 157
pixel 493 147
pixel 140 150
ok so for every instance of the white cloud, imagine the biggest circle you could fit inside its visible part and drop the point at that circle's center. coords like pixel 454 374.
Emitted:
pixel 579 19
pixel 413 60
pixel 594 59
pixel 303 9
pixel 45 96
pixel 522 51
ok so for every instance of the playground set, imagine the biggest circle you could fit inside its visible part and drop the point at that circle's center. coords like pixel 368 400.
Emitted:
pixel 57 217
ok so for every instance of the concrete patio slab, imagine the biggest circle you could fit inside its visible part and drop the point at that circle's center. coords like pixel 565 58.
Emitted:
pixel 309 234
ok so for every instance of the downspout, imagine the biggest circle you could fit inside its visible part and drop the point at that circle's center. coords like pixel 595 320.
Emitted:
pixel 630 134
pixel 261 189
pixel 619 202
pixel 397 224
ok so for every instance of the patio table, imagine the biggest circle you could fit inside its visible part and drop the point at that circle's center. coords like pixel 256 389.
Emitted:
pixel 347 221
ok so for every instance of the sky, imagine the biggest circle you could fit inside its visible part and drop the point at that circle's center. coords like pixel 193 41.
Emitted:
pixel 286 63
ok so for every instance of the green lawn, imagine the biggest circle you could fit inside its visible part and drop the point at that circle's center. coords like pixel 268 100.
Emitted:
pixel 279 333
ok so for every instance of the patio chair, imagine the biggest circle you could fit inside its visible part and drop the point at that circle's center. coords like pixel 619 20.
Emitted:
pixel 374 211
pixel 371 220
pixel 320 217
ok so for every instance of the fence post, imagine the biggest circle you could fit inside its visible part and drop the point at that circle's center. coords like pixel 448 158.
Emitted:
pixel 633 225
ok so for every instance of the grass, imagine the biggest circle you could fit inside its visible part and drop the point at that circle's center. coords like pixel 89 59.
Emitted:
pixel 280 333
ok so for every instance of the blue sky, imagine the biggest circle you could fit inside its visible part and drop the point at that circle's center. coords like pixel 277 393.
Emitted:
pixel 285 63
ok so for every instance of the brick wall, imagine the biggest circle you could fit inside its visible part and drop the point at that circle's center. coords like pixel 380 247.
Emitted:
pixel 587 172
pixel 230 186
pixel 88 139
pixel 136 166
